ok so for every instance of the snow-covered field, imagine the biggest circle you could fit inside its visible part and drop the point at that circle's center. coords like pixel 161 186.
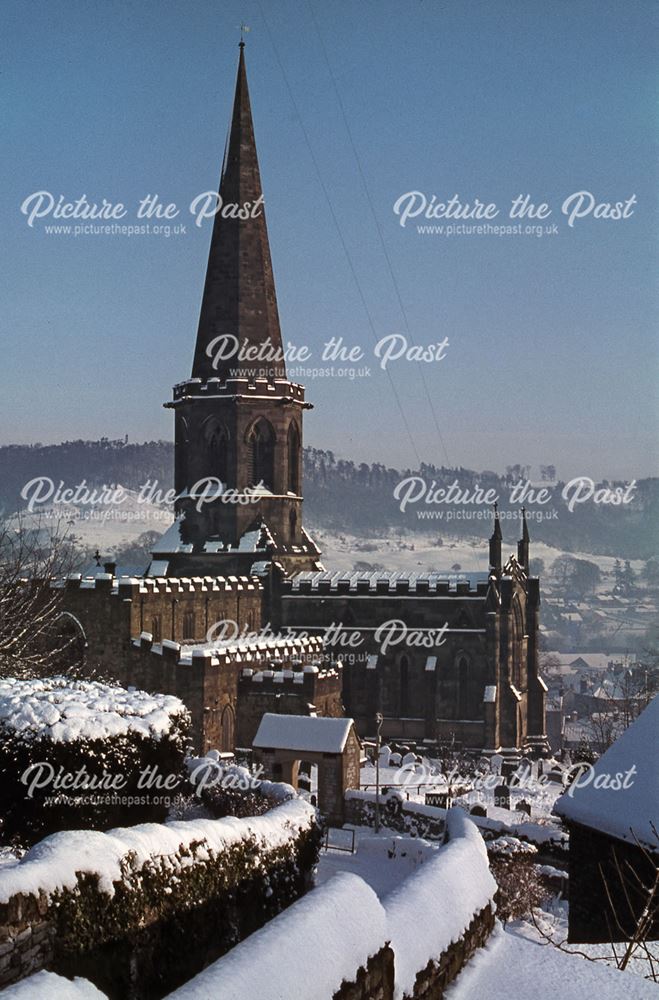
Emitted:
pixel 114 525
pixel 418 552
pixel 108 526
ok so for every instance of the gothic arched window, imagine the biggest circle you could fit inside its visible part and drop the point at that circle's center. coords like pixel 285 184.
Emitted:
pixel 468 696
pixel 292 525
pixel 293 459
pixel 404 670
pixel 517 644
pixel 217 449
pixel 189 625
pixel 261 442
pixel 182 449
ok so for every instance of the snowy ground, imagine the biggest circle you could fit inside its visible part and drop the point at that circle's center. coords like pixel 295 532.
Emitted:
pixel 518 962
pixel 383 860
pixel 108 526
pixel 552 922
pixel 414 784
pixel 514 966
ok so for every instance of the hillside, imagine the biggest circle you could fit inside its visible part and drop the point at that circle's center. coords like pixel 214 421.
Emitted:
pixel 361 499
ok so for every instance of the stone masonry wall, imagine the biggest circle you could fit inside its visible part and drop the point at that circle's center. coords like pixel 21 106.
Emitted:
pixel 375 981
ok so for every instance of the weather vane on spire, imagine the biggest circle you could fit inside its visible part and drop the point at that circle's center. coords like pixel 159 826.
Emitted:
pixel 244 28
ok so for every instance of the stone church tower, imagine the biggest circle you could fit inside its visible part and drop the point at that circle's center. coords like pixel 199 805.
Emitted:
pixel 238 419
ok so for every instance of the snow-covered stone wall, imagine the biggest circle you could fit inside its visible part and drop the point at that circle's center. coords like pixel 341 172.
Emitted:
pixel 149 904
pixel 439 915
pixel 343 943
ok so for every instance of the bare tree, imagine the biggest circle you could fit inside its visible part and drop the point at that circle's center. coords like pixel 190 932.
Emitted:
pixel 621 697
pixel 36 638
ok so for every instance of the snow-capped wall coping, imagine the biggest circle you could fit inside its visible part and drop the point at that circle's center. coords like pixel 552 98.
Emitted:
pixel 619 794
pixel 534 833
pixel 48 984
pixel 63 710
pixel 305 953
pixel 57 861
pixel 433 908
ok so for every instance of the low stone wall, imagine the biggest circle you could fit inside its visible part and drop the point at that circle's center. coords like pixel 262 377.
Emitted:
pixel 431 983
pixel 411 818
pixel 374 981
pixel 419 820
pixel 140 909
pixel 342 943
pixel 27 937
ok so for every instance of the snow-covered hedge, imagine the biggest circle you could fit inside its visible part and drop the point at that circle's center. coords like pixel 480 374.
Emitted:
pixel 434 906
pixel 75 754
pixel 156 901
pixel 305 953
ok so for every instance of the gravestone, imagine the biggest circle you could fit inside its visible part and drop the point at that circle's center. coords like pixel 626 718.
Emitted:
pixel 502 797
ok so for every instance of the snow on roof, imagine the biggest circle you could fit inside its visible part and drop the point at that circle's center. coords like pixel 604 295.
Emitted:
pixel 304 953
pixel 48 984
pixel 301 732
pixel 131 570
pixel 249 541
pixel 627 812
pixel 63 710
pixel 158 567
pixel 171 541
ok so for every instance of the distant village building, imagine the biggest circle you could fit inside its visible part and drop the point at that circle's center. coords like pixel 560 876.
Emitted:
pixel 613 820
pixel 238 551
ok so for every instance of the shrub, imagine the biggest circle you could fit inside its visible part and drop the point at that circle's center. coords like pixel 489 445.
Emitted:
pixel 75 754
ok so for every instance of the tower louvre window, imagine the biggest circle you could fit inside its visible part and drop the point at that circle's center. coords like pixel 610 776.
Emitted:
pixel 293 458
pixel 261 442
pixel 217 442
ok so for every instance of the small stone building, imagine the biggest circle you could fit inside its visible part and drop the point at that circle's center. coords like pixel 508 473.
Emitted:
pixel 284 741
pixel 296 689
pixel 612 812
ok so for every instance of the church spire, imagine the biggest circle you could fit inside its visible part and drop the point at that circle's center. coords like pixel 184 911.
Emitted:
pixel 239 298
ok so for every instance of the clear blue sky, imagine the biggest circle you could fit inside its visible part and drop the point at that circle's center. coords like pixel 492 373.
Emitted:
pixel 552 351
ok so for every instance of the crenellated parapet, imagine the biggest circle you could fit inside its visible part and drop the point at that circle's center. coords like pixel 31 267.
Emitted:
pixel 128 587
pixel 418 584
pixel 238 388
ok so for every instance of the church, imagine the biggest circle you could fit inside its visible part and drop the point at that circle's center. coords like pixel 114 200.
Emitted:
pixel 460 664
